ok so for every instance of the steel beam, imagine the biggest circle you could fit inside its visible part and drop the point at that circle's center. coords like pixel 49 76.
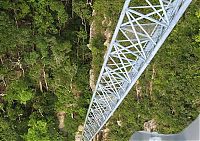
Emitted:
pixel 140 32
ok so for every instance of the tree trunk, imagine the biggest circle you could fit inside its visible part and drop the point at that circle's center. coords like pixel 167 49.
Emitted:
pixel 40 85
pixel 45 80
pixel 151 81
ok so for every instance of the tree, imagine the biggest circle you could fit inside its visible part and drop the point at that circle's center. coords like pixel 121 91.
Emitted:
pixel 18 91
pixel 37 131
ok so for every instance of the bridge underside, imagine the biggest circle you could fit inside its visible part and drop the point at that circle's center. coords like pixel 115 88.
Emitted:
pixel 140 32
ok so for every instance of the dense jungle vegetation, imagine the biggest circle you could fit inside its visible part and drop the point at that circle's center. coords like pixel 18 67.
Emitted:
pixel 45 62
pixel 44 69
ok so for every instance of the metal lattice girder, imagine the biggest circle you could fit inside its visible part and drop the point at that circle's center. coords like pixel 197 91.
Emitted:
pixel 140 32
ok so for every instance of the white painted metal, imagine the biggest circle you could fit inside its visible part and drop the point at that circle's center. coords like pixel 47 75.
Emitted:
pixel 190 133
pixel 140 32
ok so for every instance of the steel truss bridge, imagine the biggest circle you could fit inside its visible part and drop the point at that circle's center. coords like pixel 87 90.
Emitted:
pixel 141 30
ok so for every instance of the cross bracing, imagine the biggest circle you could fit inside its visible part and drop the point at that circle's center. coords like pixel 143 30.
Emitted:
pixel 140 32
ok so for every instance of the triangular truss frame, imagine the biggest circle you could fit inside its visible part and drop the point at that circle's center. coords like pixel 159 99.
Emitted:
pixel 140 32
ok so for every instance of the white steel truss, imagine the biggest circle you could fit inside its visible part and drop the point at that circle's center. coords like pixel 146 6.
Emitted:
pixel 140 32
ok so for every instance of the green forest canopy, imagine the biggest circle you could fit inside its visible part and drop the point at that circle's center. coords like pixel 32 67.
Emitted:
pixel 45 65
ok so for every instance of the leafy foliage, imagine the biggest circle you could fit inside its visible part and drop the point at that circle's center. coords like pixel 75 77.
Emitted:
pixel 37 131
pixel 45 65
pixel 38 68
